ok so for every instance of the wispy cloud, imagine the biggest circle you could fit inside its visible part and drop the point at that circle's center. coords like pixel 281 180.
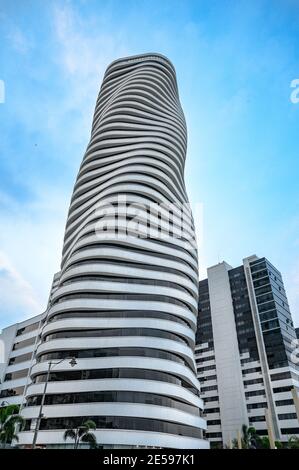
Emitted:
pixel 32 231
pixel 234 64
pixel 31 242
pixel 83 53
pixel 18 298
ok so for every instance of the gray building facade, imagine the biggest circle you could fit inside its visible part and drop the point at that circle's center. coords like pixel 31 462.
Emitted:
pixel 245 347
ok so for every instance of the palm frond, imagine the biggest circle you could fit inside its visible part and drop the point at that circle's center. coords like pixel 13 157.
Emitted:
pixel 91 439
pixel 90 424
pixel 7 411
pixel 69 434
pixel 15 419
pixel 86 426
pixel 82 430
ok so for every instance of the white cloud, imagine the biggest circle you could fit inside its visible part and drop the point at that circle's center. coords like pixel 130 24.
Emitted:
pixel 31 233
pixel 83 53
pixel 31 242
pixel 14 287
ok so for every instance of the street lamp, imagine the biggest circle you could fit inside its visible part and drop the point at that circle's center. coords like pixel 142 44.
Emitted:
pixel 51 365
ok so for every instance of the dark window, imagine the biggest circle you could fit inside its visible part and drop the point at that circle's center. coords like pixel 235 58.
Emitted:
pixel 203 369
pixel 117 422
pixel 250 371
pixel 212 410
pixel 210 435
pixel 284 402
pixel 124 373
pixel 282 389
pixel 257 419
pixel 255 393
pixel 113 397
pixel 19 374
pixel 119 314
pixel 281 376
pixel 283 416
pixel 254 406
pixel 21 358
pixel 209 388
pixel 27 329
pixel 23 344
pixel 253 381
pixel 96 333
pixel 111 352
pixel 11 392
pixel 290 431
pixel 209 399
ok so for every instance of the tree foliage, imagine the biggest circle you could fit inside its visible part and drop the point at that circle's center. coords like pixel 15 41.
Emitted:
pixel 82 434
pixel 9 418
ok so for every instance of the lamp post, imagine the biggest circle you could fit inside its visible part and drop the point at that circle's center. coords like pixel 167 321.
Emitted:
pixel 51 365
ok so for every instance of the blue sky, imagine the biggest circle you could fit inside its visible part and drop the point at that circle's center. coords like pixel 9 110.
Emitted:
pixel 235 61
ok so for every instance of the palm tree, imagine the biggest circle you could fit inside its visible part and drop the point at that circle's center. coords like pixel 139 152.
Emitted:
pixel 82 434
pixel 9 418
pixel 264 443
pixel 293 442
pixel 250 438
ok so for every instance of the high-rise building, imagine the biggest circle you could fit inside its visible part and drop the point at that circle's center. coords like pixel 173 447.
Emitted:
pixel 17 346
pixel 125 306
pixel 245 351
pixel 18 343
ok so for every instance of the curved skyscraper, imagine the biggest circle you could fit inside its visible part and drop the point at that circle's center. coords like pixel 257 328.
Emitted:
pixel 125 305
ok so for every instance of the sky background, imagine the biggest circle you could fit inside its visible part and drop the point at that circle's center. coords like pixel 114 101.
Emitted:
pixel 235 61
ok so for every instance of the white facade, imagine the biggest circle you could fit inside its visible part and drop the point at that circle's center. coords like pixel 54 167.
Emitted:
pixel 229 374
pixel 125 307
pixel 18 343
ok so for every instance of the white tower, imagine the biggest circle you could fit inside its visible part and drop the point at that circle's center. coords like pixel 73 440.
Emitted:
pixel 125 306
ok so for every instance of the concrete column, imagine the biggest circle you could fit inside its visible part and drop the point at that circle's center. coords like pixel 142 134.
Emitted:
pixel 233 411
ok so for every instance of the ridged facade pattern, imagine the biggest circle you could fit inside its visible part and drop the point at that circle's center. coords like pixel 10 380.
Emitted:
pixel 125 307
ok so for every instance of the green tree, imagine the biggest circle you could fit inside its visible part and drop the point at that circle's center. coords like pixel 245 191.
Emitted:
pixel 9 418
pixel 234 444
pixel 82 434
pixel 293 442
pixel 250 438
pixel 264 443
pixel 278 445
